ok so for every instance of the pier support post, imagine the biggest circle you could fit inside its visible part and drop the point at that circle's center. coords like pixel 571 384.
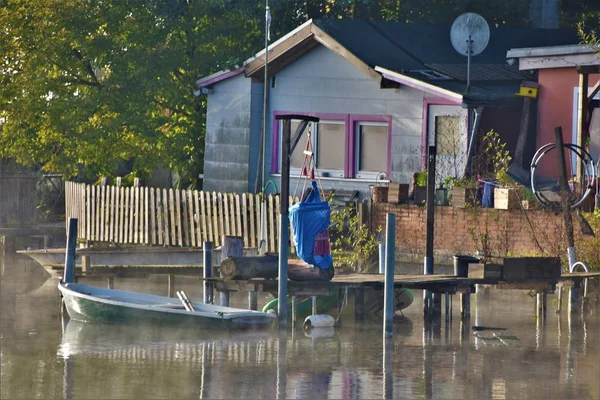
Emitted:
pixel 465 306
pixel 294 311
pixel 314 305
pixel 574 297
pixel 359 305
pixel 541 307
pixel 253 300
pixel 224 298
pixel 388 376
pixel 390 258
pixel 171 285
pixel 208 286
pixel 448 304
pixel 560 295
pixel 111 282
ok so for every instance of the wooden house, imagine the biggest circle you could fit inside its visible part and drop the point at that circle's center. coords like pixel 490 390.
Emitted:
pixel 380 89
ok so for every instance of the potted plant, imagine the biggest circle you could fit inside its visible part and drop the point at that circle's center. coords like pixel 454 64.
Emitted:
pixel 420 187
pixel 507 195
pixel 464 192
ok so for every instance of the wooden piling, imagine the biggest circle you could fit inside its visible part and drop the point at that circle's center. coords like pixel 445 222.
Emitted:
pixel 170 285
pixel 465 306
pixel 253 300
pixel 560 295
pixel 69 274
pixel 390 248
pixel 207 267
pixel 111 282
pixel 359 305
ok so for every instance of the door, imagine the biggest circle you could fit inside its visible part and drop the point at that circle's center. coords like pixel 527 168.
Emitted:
pixel 448 124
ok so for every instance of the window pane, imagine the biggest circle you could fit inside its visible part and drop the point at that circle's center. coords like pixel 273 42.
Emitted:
pixel 373 149
pixel 331 146
pixel 297 158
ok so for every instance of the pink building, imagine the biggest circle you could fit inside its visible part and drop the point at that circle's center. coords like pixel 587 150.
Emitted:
pixel 561 70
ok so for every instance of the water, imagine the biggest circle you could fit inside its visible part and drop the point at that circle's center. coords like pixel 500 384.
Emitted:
pixel 45 356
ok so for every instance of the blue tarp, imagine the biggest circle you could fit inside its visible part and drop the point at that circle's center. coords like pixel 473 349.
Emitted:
pixel 309 218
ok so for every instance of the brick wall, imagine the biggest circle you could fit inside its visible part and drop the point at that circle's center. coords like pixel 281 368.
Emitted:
pixel 523 232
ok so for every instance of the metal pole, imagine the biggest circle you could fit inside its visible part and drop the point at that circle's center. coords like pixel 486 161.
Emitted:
pixel 208 286
pixel 428 262
pixel 469 45
pixel 284 223
pixel 390 248
pixel 69 274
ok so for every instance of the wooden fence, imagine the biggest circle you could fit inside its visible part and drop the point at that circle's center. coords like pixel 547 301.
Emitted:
pixel 170 217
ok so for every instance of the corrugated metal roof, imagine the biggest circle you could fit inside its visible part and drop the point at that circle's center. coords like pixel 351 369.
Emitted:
pixel 481 72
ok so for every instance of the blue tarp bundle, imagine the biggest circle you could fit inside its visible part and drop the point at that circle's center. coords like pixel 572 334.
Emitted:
pixel 310 219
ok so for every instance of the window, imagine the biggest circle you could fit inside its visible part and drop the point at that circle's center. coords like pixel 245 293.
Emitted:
pixel 344 145
pixel 371 139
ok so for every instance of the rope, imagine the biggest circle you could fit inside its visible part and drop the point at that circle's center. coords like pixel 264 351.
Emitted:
pixel 344 301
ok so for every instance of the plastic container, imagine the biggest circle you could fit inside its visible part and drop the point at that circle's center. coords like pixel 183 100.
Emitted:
pixel 318 321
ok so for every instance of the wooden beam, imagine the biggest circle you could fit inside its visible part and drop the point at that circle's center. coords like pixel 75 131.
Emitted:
pixel 337 48
pixel 582 110
pixel 276 50
pixel 594 91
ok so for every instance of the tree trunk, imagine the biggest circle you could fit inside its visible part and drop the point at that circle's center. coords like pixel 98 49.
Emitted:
pixel 243 268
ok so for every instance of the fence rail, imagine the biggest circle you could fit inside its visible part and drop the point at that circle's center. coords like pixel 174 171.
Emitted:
pixel 170 217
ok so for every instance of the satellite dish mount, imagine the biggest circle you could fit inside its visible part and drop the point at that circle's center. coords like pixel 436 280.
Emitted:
pixel 469 35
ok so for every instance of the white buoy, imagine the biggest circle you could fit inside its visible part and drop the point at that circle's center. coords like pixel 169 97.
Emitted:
pixel 318 321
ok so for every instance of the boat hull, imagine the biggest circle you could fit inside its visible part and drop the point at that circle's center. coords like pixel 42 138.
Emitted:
pixel 90 309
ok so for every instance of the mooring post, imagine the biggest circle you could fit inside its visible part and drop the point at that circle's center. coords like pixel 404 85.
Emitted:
pixel 207 273
pixel 170 285
pixel 314 305
pixel 69 274
pixel 448 304
pixel 224 298
pixel 465 305
pixel 541 307
pixel 294 311
pixel 284 223
pixel 560 295
pixel 252 300
pixel 359 305
pixel 388 374
pixel 428 299
pixel 574 296
pixel 390 257
pixel 111 282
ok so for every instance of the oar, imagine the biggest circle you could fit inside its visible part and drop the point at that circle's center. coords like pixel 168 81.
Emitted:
pixel 185 303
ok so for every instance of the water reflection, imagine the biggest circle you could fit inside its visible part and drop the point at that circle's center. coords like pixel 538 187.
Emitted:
pixel 44 356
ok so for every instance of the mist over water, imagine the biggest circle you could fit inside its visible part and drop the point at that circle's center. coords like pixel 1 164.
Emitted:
pixel 44 355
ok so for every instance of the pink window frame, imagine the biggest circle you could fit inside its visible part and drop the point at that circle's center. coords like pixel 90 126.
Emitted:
pixel 350 121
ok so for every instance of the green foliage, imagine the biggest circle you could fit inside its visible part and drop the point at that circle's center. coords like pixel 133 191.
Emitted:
pixel 91 87
pixel 353 245
pixel 463 182
pixel 499 156
pixel 421 178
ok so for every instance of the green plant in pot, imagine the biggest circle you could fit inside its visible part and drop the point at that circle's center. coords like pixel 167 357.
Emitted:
pixel 507 195
pixel 420 188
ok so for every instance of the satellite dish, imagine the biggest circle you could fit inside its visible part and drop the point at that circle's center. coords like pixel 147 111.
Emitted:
pixel 469 34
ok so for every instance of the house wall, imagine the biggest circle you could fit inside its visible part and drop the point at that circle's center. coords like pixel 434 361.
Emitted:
pixel 323 82
pixel 233 118
pixel 555 108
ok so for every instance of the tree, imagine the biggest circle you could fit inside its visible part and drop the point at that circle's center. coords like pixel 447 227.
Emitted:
pixel 106 87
